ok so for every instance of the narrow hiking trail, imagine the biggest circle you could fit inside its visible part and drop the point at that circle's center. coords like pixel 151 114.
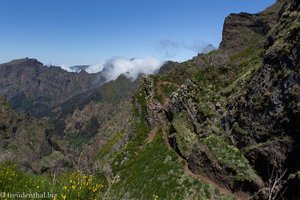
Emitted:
pixel 151 135
pixel 160 91
pixel 222 189
pixel 162 125
pixel 201 178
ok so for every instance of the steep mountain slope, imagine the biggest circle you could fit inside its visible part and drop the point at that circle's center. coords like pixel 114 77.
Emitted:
pixel 71 121
pixel 84 115
pixel 28 141
pixel 236 119
pixel 268 113
pixel 33 88
pixel 139 163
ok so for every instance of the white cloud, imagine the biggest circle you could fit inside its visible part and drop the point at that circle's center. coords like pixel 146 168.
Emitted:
pixel 94 68
pixel 68 69
pixel 114 67
pixel 131 68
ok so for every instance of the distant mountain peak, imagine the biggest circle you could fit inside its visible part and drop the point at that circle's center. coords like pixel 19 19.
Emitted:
pixel 208 48
pixel 24 61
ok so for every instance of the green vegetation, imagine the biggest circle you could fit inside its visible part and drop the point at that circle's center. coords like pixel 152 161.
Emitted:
pixel 230 157
pixel 77 140
pixel 91 129
pixel 152 171
pixel 157 96
pixel 180 73
pixel 137 174
pixel 167 89
pixel 69 185
pixel 156 172
pixel 227 79
pixel 138 135
pixel 163 88
pixel 114 91
pixel 184 133
pixel 250 38
pixel 106 149
pixel 81 186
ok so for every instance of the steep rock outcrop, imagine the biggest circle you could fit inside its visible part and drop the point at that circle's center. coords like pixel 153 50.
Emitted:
pixel 236 26
pixel 238 139
pixel 269 112
pixel 240 29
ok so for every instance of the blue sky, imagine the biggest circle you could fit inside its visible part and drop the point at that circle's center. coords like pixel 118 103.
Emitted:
pixel 73 32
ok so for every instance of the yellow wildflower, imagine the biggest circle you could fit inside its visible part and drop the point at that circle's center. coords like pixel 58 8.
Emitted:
pixel 95 189
pixel 64 196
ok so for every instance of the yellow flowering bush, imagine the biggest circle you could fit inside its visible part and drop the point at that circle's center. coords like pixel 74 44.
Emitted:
pixel 81 186
pixel 7 177
pixel 13 180
pixel 69 185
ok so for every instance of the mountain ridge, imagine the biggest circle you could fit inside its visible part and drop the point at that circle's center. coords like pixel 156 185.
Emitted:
pixel 40 87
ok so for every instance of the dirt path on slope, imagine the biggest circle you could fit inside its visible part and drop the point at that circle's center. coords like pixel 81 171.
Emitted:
pixel 201 178
pixel 151 135
pixel 160 92
pixel 222 189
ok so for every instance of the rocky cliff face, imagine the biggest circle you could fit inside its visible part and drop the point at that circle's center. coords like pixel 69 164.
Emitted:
pixel 240 129
pixel 269 111
pixel 235 27
pixel 238 27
